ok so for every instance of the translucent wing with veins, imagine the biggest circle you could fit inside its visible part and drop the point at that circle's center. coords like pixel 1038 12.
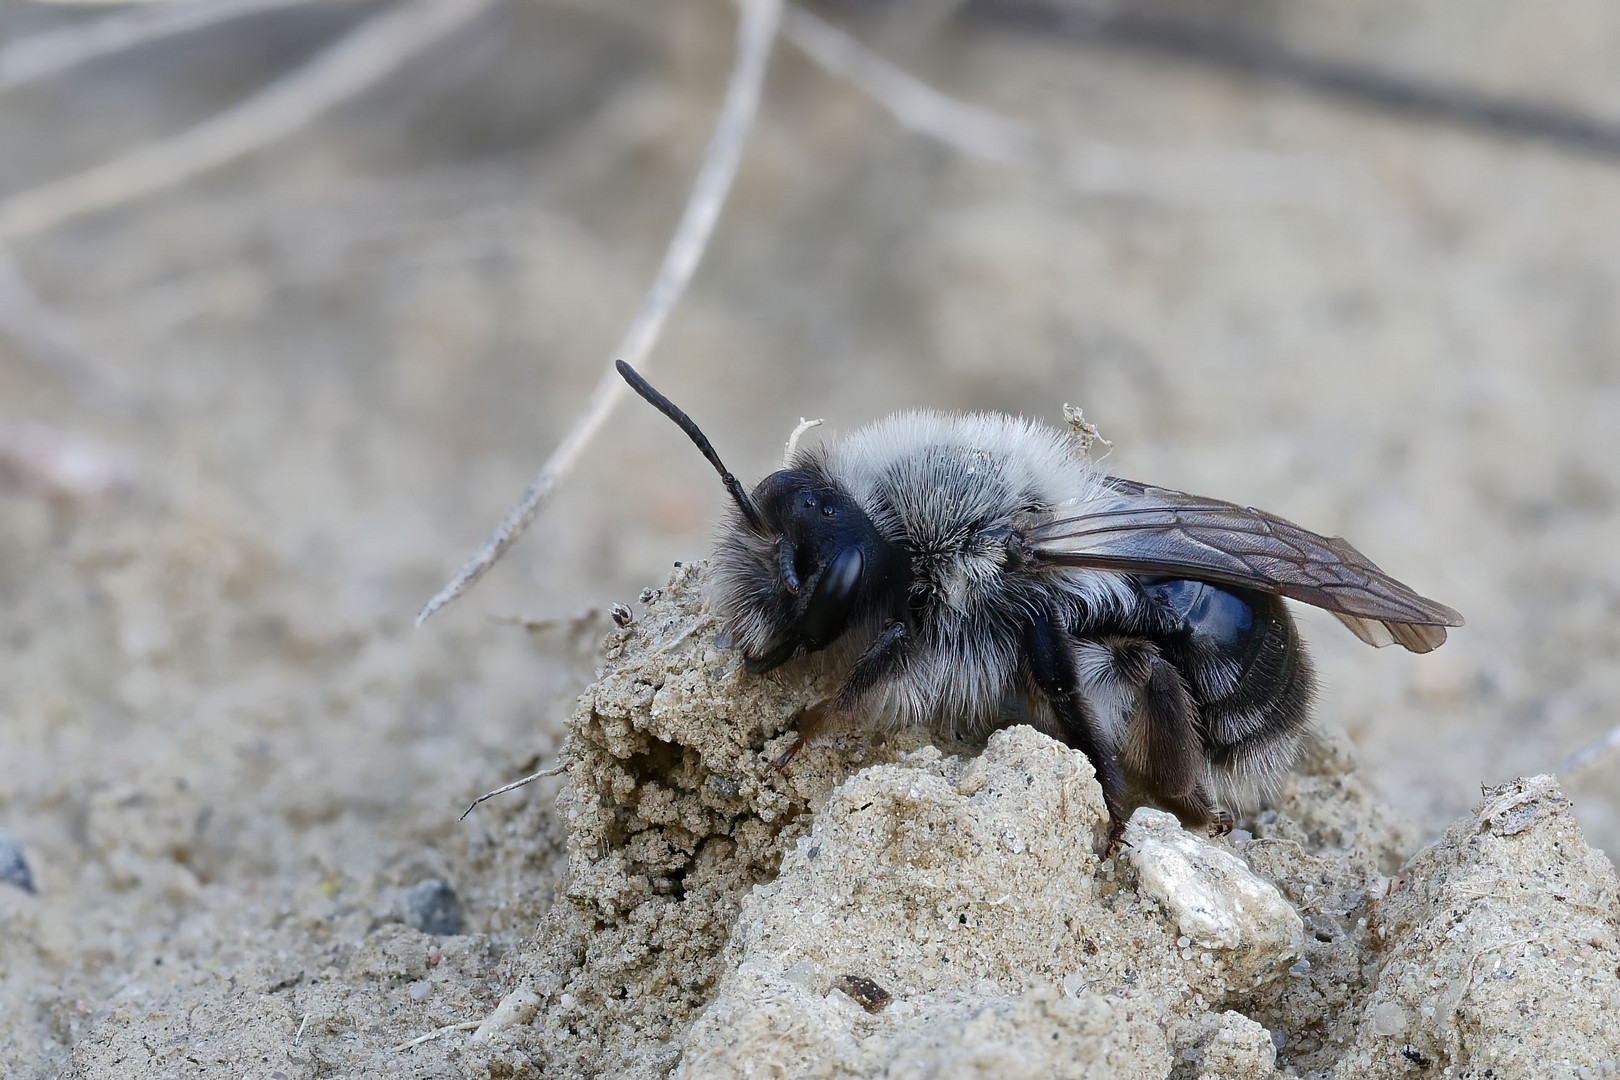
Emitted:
pixel 1153 530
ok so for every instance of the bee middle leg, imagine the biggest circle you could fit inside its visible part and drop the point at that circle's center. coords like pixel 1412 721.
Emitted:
pixel 1049 651
pixel 881 661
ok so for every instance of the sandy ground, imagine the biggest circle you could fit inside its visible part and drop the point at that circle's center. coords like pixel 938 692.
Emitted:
pixel 332 366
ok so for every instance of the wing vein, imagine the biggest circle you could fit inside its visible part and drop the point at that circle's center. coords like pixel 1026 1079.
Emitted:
pixel 1152 530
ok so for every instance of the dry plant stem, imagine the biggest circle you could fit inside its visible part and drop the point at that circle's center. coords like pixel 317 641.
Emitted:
pixel 916 105
pixel 466 1025
pixel 54 344
pixel 793 439
pixel 755 34
pixel 513 786
pixel 1591 754
pixel 1221 46
pixel 338 73
pixel 1095 168
pixel 43 55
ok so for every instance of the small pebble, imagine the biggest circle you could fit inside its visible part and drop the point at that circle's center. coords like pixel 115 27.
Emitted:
pixel 801 974
pixel 621 615
pixel 13 867
pixel 1387 1018
pixel 516 1009
pixel 432 907
pixel 867 994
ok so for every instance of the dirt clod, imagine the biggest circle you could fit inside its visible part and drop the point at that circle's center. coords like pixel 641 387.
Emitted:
pixel 714 907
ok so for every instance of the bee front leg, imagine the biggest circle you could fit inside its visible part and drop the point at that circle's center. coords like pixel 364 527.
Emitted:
pixel 881 661
pixel 1049 651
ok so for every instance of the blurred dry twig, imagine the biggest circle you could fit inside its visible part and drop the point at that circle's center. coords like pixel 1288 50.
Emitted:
pixel 1231 176
pixel 1209 42
pixel 918 107
pixel 756 32
pixel 42 55
pixel 52 342
pixel 340 72
pixel 555 770
pixel 1591 754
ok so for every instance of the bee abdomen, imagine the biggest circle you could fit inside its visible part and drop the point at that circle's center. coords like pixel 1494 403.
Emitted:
pixel 1253 732
pixel 1242 656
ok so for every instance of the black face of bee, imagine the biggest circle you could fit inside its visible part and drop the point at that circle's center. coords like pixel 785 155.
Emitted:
pixel 831 565
pixel 830 558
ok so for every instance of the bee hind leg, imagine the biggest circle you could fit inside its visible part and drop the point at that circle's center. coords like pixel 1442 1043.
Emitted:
pixel 819 720
pixel 1049 653
pixel 1163 745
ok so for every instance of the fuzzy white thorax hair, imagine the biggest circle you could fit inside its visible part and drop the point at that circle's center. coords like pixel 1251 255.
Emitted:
pixel 938 478
pixel 949 487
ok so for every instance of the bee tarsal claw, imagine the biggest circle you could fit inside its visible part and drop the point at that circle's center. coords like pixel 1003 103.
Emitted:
pixel 1116 838
pixel 782 760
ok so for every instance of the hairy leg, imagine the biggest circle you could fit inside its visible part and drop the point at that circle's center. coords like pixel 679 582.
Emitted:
pixel 1166 746
pixel 881 661
pixel 1050 655
pixel 1161 741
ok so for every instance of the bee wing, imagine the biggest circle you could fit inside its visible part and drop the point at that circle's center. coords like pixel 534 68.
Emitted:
pixel 1152 530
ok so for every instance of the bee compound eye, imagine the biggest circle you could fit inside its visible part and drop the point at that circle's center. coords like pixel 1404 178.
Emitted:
pixel 829 608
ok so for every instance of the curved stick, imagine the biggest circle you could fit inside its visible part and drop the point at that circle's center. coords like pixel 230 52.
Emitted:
pixel 756 32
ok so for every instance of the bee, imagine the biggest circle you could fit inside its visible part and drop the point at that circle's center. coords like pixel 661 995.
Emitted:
pixel 970 570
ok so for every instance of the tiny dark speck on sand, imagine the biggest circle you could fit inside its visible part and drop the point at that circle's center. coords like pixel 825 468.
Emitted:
pixel 13 867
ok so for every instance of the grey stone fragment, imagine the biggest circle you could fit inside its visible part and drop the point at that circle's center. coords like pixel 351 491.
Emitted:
pixel 13 867
pixel 1214 899
pixel 432 907
pixel 1240 1049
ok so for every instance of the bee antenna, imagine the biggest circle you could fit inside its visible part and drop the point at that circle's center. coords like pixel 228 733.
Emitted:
pixel 750 512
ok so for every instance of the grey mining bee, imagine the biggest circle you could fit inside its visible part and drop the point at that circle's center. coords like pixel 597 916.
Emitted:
pixel 972 569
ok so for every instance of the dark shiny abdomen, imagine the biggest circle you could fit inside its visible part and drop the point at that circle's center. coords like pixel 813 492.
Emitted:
pixel 1242 659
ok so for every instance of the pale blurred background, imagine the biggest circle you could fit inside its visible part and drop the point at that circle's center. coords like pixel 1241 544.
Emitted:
pixel 1353 263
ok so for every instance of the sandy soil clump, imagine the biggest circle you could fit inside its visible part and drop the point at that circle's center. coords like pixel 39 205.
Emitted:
pixel 887 907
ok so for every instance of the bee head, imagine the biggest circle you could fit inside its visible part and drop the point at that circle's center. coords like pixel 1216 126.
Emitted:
pixel 801 561
pixel 818 564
